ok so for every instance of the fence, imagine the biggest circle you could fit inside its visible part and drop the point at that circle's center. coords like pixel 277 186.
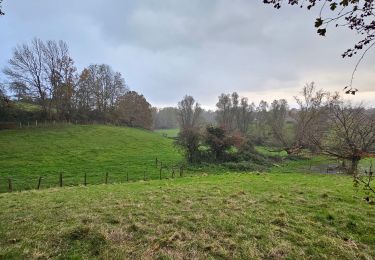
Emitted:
pixel 62 179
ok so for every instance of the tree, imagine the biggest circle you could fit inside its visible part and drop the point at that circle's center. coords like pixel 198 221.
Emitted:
pixel 356 15
pixel 61 72
pixel 352 133
pixel 26 68
pixel 234 113
pixel 134 110
pixel 189 139
pixel 98 91
pixel 311 117
pixel 166 118
pixel 46 73
pixel 189 113
pixel 276 120
pixel 218 140
pixel 261 122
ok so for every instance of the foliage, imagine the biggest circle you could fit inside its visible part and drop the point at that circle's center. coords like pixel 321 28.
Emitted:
pixel 189 139
pixel 134 110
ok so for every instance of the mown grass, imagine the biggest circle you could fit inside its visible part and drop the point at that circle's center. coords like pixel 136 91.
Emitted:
pixel 243 216
pixel 26 154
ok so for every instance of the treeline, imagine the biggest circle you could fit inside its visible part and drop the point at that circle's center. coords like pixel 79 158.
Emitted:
pixel 44 74
pixel 323 123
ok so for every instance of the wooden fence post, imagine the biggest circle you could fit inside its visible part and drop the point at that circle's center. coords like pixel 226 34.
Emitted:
pixel 161 168
pixel 106 178
pixel 172 172
pixel 10 185
pixel 61 179
pixel 85 179
pixel 156 161
pixel 39 182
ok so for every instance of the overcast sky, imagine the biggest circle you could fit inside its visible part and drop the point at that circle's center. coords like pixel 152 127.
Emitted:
pixel 168 48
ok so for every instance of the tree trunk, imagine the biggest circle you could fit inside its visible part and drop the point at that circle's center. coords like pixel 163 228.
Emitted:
pixel 354 166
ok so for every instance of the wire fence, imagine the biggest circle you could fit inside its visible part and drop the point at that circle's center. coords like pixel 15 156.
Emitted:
pixel 157 170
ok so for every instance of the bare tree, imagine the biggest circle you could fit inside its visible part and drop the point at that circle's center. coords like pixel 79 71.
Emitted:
pixel 189 113
pixel 61 72
pixel 311 117
pixel 234 113
pixel 26 68
pixel 352 133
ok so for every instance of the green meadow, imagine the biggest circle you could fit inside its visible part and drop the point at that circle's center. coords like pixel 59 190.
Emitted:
pixel 94 150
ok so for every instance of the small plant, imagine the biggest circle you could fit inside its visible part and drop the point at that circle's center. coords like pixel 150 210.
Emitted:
pixel 365 181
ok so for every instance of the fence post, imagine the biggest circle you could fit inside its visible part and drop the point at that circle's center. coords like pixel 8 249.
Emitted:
pixel 85 179
pixel 36 122
pixel 106 178
pixel 39 182
pixel 10 185
pixel 161 168
pixel 61 179
pixel 172 172
pixel 156 161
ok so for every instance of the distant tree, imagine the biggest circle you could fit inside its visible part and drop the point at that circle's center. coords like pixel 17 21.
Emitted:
pixel 234 113
pixel 189 140
pixel 224 111
pixel 26 67
pixel 166 118
pixel 276 120
pixel 310 121
pixel 189 113
pixel 218 140
pixel 45 72
pixel 261 122
pixel 356 15
pixel 98 91
pixel 189 118
pixel 134 110
pixel 61 72
pixel 311 117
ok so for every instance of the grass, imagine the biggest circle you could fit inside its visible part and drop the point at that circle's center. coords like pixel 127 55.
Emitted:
pixel 26 154
pixel 170 133
pixel 243 216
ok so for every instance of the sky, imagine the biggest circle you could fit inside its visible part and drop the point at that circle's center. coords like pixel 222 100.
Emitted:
pixel 166 49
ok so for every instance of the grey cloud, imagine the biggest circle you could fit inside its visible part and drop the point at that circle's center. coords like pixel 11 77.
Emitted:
pixel 166 49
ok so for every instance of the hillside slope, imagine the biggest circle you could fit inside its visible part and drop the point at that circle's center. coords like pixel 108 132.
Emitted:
pixel 73 150
pixel 232 216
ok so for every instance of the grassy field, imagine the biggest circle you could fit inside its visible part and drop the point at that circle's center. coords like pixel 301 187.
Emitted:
pixel 244 216
pixel 26 154
pixel 171 133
